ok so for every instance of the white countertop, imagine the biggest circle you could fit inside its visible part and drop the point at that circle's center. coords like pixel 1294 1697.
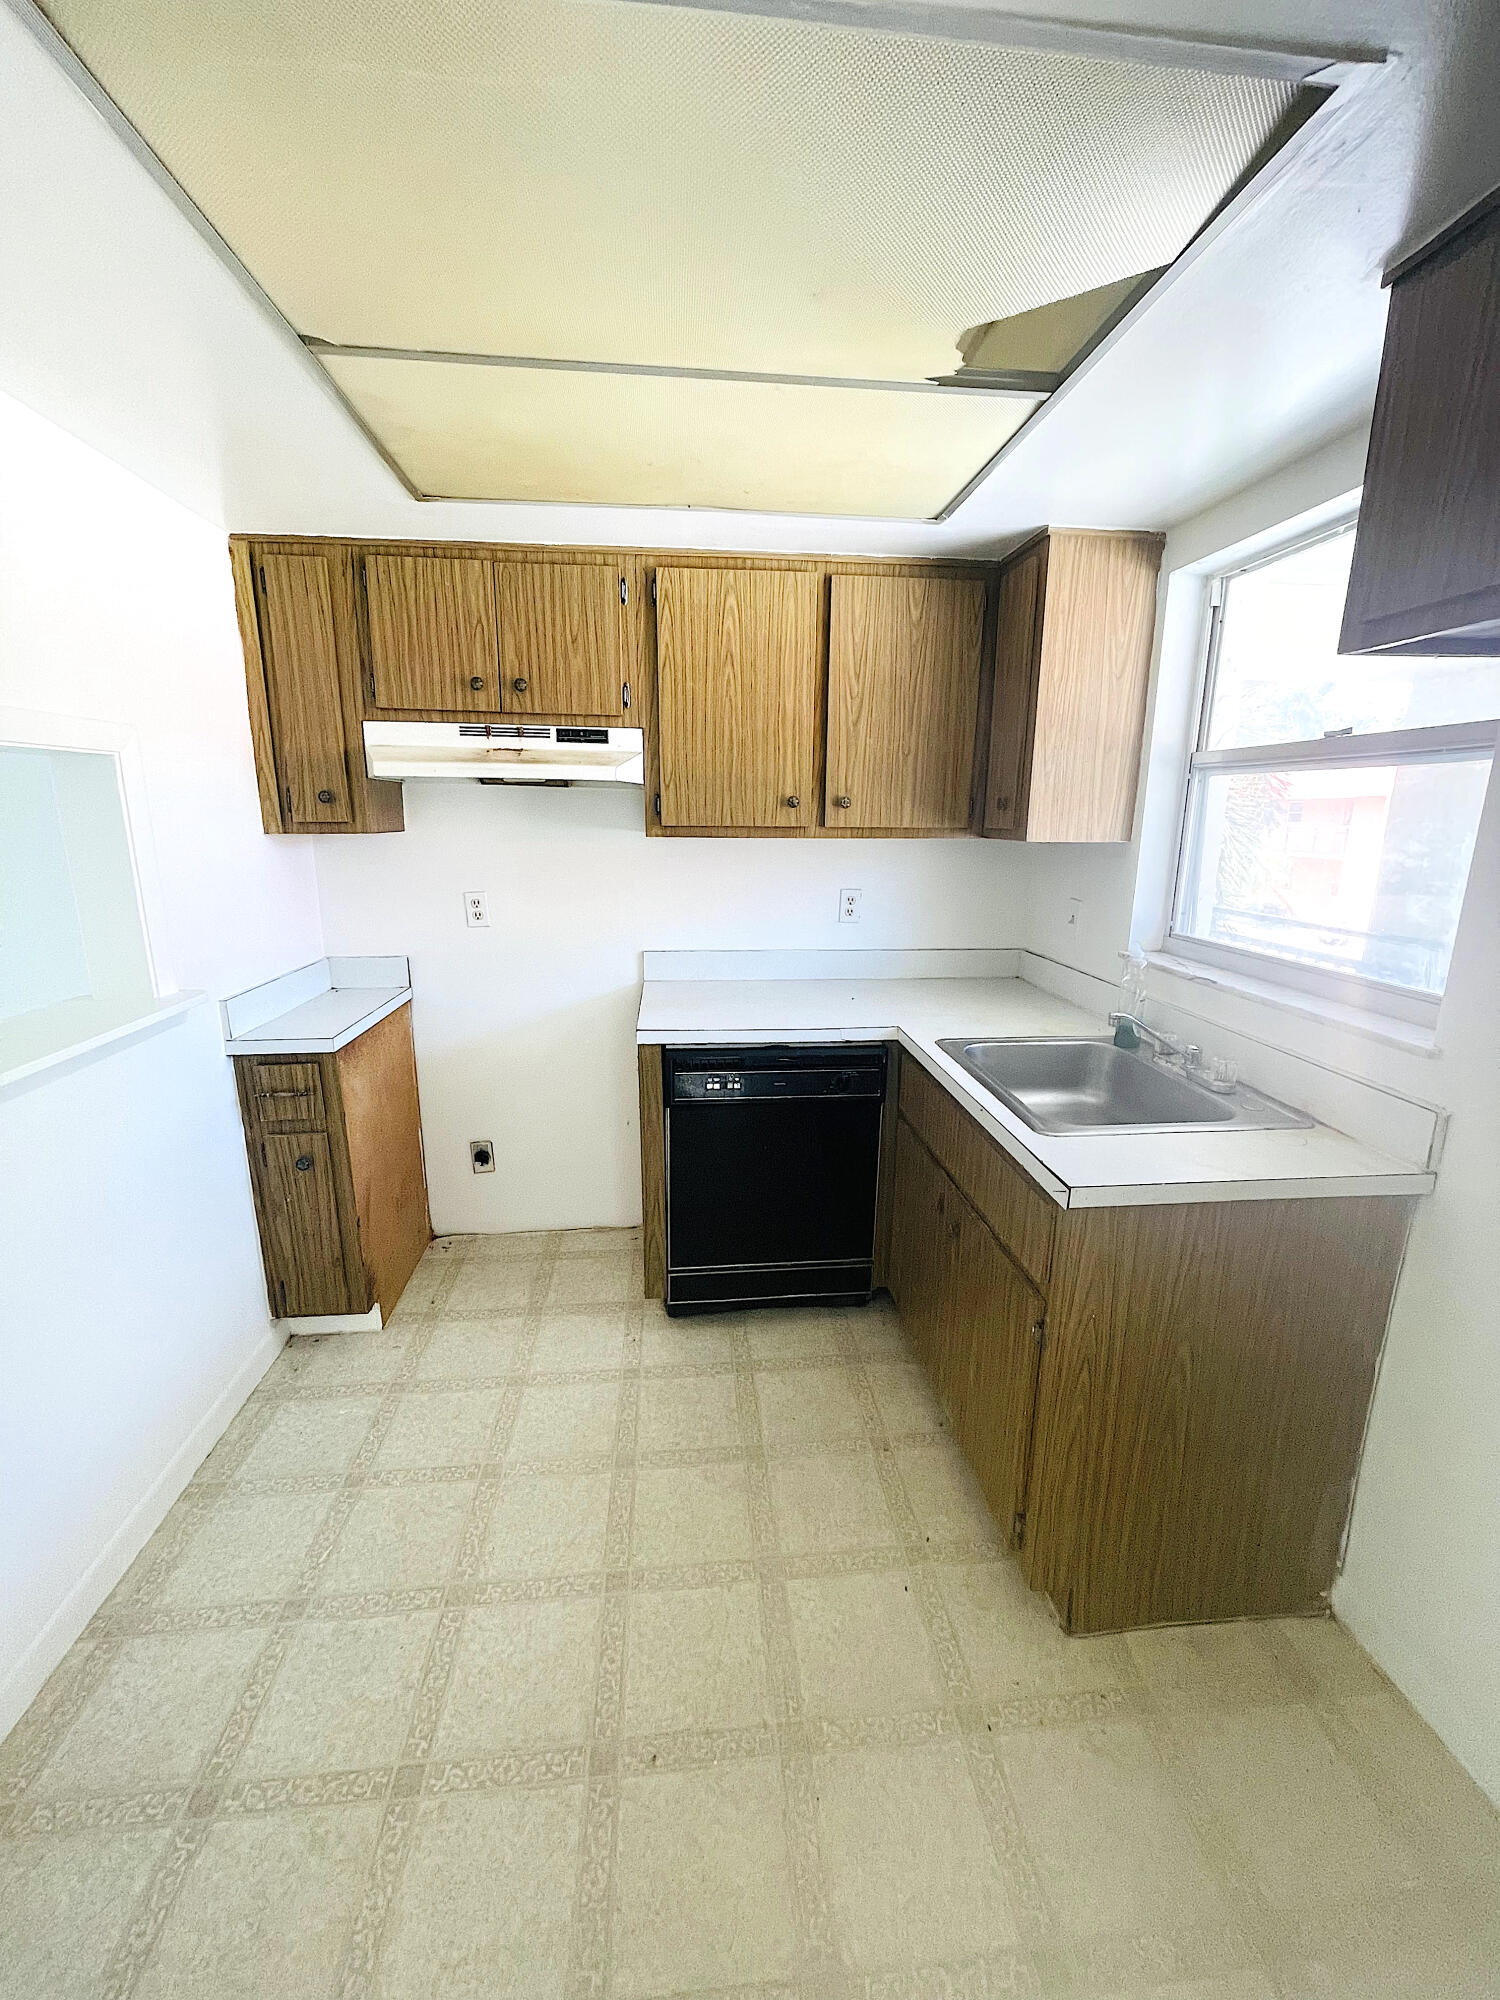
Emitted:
pixel 316 1010
pixel 1091 1170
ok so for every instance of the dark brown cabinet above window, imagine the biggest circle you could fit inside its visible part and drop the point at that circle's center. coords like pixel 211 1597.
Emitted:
pixel 1426 575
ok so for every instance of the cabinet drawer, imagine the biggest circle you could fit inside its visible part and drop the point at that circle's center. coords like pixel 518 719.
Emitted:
pixel 287 1096
pixel 1021 1216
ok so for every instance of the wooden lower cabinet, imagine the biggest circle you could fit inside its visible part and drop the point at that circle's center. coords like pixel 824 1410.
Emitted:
pixel 1170 1430
pixel 335 1149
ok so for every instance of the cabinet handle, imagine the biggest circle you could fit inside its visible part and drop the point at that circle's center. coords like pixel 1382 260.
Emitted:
pixel 520 684
pixel 625 694
pixel 304 1163
pixel 283 1093
pixel 325 797
pixel 1002 801
pixel 843 799
pixel 476 681
pixel 793 800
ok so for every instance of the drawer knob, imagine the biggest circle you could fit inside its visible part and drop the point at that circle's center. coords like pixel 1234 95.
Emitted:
pixel 520 684
pixel 325 797
pixel 304 1163
pixel 476 681
pixel 793 800
pixel 1002 801
pixel 843 799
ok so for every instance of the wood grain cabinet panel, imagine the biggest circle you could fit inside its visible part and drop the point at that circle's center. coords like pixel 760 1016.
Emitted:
pixel 1426 574
pixel 904 657
pixel 1074 634
pixel 335 1148
pixel 300 1225
pixel 432 632
pixel 300 638
pixel 738 696
pixel 1181 1444
pixel 1021 1215
pixel 561 640
pixel 1017 644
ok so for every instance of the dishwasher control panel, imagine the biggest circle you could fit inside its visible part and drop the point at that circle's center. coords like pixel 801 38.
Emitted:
pixel 722 1076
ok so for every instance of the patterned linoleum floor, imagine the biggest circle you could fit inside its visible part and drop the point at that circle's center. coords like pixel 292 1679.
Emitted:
pixel 542 1645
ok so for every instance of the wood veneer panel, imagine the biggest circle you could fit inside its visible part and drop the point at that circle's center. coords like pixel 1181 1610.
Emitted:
pixel 1204 1386
pixel 921 1279
pixel 257 696
pixel 375 1090
pixel 287 1096
pixel 1098 617
pixel 300 1225
pixel 432 632
pixel 1017 646
pixel 560 632
pixel 1021 1215
pixel 738 687
pixel 653 1170
pixel 304 679
pixel 1427 549
pixel 903 698
pixel 997 1353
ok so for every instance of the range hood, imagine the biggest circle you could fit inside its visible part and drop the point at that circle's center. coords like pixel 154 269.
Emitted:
pixel 506 753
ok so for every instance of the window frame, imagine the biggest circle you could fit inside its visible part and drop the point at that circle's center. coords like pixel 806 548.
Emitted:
pixel 1435 743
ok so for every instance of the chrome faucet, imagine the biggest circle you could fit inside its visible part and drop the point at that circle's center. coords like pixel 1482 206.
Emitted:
pixel 1164 1050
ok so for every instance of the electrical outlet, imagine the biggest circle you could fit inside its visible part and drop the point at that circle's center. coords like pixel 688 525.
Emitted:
pixel 849 905
pixel 476 909
pixel 481 1156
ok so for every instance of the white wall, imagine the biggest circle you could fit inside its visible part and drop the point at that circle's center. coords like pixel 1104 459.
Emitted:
pixel 524 1031
pixel 133 1316
pixel 1421 1584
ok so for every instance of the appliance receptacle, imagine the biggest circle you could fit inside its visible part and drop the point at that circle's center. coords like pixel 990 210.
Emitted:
pixel 481 1156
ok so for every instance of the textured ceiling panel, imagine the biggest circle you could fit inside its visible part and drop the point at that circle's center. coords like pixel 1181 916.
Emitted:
pixel 469 432
pixel 637 183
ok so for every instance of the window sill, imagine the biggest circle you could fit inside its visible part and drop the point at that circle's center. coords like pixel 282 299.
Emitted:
pixel 168 1008
pixel 1408 1035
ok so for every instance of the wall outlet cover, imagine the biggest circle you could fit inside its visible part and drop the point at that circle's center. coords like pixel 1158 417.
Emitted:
pixel 481 1156
pixel 476 909
pixel 849 900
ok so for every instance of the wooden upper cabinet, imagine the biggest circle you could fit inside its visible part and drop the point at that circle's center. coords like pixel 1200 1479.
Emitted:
pixel 561 639
pixel 738 696
pixel 1426 572
pixel 432 631
pixel 300 645
pixel 1017 630
pixel 1070 699
pixel 904 656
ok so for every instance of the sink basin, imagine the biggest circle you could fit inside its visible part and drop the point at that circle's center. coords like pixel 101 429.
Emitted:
pixel 1084 1085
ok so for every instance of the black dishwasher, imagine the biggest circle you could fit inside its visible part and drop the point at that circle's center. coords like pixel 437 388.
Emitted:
pixel 772 1158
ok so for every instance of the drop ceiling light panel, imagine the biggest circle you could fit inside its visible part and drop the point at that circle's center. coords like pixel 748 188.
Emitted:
pixel 580 179
pixel 467 432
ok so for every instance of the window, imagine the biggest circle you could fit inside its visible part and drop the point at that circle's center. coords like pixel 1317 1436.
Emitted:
pixel 73 953
pixel 1332 801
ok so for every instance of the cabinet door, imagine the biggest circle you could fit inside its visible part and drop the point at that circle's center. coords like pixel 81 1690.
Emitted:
pixel 921 1257
pixel 304 1250
pixel 432 632
pixel 903 698
pixel 299 642
pixel 1017 640
pixel 560 639
pixel 737 696
pixel 999 1319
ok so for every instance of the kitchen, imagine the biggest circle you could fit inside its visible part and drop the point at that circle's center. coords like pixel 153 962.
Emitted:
pixel 855 1585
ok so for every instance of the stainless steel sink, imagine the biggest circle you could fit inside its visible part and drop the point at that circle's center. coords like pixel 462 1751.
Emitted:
pixel 1080 1085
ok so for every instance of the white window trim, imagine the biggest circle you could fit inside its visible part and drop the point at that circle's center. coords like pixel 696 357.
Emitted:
pixel 1407 746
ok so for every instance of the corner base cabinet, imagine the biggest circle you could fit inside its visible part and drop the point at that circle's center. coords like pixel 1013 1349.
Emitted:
pixel 1163 1404
pixel 335 1150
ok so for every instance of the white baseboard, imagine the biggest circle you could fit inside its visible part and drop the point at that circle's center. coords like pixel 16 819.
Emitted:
pixel 21 1685
pixel 370 1322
